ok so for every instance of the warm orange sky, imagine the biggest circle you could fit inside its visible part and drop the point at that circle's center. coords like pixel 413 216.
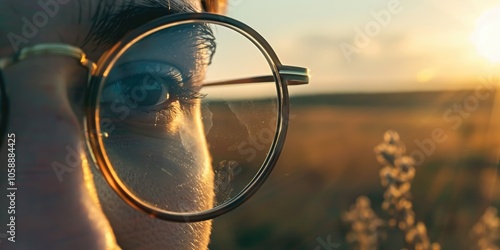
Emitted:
pixel 426 44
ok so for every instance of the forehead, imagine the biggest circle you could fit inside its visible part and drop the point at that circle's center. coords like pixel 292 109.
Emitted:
pixel 78 22
pixel 112 25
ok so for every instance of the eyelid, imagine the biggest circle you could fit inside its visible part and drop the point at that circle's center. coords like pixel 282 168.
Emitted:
pixel 141 68
pixel 113 88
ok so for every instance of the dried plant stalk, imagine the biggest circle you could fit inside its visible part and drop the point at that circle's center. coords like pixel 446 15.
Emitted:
pixel 397 176
pixel 486 232
pixel 365 225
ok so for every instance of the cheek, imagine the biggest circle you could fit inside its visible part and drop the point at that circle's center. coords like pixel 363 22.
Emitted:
pixel 165 174
pixel 172 172
pixel 135 230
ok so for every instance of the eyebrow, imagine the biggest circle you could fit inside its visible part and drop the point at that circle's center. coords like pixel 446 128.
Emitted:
pixel 111 22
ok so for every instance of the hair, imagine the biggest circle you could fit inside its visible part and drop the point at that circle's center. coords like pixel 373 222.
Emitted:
pixel 214 6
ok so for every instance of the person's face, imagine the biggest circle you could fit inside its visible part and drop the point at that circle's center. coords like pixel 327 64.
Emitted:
pixel 63 201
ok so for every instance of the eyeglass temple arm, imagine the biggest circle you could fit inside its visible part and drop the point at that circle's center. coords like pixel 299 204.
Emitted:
pixel 49 49
pixel 292 75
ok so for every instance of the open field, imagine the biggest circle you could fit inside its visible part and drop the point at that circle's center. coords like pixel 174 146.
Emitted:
pixel 328 161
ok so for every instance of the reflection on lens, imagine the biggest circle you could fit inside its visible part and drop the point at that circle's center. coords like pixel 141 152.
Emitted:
pixel 190 113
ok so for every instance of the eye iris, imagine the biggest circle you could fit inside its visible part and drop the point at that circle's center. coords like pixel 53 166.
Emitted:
pixel 149 92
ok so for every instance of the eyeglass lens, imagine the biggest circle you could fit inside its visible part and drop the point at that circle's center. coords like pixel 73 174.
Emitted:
pixel 170 136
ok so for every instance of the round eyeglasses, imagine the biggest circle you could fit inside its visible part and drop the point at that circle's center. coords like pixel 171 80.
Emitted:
pixel 186 116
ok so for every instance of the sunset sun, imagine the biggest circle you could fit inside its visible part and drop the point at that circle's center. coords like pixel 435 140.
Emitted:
pixel 486 37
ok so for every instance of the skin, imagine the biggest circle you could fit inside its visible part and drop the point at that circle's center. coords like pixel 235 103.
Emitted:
pixel 81 211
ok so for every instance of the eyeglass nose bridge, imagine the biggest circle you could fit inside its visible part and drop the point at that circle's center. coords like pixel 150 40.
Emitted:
pixel 294 75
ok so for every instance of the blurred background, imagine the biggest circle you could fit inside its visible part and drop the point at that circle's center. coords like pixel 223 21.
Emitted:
pixel 426 69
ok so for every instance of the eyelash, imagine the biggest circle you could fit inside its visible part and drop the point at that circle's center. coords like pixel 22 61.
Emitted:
pixel 185 95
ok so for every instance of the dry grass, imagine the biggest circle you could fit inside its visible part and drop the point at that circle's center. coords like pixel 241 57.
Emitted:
pixel 328 162
pixel 396 176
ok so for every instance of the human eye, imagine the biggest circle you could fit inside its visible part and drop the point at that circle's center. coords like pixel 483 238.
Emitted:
pixel 148 93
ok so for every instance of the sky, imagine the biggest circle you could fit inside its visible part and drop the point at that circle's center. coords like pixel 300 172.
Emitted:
pixel 380 45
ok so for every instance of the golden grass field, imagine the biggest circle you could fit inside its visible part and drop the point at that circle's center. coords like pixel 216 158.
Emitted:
pixel 328 161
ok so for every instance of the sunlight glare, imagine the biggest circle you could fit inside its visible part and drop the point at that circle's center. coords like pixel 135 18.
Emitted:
pixel 486 37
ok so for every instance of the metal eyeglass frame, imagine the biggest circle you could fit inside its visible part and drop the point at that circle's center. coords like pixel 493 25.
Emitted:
pixel 283 76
